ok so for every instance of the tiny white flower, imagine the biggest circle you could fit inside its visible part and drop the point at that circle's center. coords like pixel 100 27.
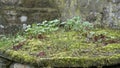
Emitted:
pixel 28 26
pixel 38 24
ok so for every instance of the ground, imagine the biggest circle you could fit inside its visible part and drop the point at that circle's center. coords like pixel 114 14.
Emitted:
pixel 98 47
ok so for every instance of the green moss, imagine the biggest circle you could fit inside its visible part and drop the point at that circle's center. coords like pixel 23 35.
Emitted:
pixel 69 48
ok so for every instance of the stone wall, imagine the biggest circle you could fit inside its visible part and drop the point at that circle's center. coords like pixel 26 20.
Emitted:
pixel 70 8
pixel 103 12
pixel 19 12
pixel 4 63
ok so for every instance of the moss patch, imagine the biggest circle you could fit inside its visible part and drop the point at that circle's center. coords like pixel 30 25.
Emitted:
pixel 69 48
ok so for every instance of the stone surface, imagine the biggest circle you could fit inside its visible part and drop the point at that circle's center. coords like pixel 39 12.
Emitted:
pixel 17 65
pixel 4 63
pixel 106 12
pixel 19 12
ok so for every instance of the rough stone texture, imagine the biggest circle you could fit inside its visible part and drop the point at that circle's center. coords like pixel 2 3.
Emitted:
pixel 106 12
pixel 34 10
pixel 4 63
pixel 17 65
pixel 70 8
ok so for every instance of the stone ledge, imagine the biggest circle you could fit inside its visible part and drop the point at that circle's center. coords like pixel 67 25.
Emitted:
pixel 18 65
pixel 30 9
pixel 70 61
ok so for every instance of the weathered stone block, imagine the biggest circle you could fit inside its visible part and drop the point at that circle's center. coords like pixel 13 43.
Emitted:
pixel 17 65
pixel 4 63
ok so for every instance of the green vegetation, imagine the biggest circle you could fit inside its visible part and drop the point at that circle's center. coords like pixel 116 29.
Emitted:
pixel 77 24
pixel 4 41
pixel 44 27
pixel 71 43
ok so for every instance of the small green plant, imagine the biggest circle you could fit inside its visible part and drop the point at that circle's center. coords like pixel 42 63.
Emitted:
pixel 86 26
pixel 44 27
pixel 77 24
pixel 5 41
pixel 72 24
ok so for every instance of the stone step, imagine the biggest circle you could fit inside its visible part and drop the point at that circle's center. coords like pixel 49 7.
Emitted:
pixel 29 9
